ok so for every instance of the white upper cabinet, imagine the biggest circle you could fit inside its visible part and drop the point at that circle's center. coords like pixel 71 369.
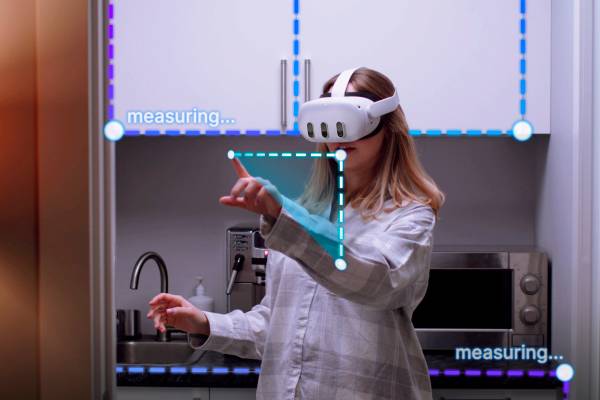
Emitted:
pixel 222 56
pixel 456 63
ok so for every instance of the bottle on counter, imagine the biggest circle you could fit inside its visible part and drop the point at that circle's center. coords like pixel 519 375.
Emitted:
pixel 200 300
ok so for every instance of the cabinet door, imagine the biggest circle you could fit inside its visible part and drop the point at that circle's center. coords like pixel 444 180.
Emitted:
pixel 493 394
pixel 221 56
pixel 456 64
pixel 162 393
pixel 232 394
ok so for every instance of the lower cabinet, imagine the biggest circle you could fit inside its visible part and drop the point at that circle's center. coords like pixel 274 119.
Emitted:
pixel 169 393
pixel 232 394
pixel 492 394
pixel 164 393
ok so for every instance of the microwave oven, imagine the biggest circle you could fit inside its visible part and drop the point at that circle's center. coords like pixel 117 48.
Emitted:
pixel 485 299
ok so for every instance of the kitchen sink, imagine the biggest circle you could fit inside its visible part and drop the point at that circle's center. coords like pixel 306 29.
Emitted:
pixel 149 351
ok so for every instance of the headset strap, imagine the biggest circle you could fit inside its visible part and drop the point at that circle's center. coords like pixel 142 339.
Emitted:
pixel 384 106
pixel 341 83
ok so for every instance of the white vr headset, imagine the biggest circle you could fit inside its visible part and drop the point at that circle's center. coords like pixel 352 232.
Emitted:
pixel 344 116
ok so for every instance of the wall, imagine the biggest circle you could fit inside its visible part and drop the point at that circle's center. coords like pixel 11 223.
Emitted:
pixel 595 347
pixel 167 191
pixel 18 219
pixel 564 213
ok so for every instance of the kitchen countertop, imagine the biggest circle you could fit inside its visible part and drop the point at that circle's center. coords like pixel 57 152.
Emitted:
pixel 220 370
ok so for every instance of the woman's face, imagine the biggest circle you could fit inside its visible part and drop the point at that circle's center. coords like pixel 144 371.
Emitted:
pixel 361 154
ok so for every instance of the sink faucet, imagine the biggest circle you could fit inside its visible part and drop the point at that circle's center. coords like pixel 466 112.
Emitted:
pixel 164 282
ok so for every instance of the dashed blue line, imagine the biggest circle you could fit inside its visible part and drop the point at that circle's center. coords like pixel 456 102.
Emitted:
pixel 458 132
pixel 220 370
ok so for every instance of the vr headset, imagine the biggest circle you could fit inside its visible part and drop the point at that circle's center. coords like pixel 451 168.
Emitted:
pixel 344 116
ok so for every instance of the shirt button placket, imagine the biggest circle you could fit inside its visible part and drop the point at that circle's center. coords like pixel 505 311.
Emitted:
pixel 299 339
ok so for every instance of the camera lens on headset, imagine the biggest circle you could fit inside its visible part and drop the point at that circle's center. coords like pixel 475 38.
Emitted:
pixel 323 129
pixel 340 129
pixel 310 130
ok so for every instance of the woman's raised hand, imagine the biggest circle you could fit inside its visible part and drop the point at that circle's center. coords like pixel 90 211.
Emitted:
pixel 173 310
pixel 251 193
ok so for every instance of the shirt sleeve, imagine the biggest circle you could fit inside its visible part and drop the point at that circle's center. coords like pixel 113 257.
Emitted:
pixel 238 333
pixel 384 267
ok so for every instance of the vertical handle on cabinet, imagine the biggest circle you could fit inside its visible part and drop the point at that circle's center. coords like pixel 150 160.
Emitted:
pixel 307 79
pixel 283 77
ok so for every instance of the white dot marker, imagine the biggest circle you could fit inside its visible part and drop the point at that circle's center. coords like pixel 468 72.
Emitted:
pixel 114 130
pixel 230 154
pixel 340 154
pixel 565 372
pixel 522 130
pixel 340 264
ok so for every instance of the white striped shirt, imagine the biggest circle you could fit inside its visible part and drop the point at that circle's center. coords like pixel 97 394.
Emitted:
pixel 326 334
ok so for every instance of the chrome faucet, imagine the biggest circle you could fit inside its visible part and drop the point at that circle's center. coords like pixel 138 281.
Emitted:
pixel 164 282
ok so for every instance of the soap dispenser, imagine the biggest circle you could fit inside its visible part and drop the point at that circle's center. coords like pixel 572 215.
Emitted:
pixel 200 300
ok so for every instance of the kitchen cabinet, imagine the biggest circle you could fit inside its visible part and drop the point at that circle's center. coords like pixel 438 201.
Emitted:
pixel 456 64
pixel 232 394
pixel 162 393
pixel 493 394
pixel 222 56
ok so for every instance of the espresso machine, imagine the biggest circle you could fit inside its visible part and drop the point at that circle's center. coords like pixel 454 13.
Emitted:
pixel 246 260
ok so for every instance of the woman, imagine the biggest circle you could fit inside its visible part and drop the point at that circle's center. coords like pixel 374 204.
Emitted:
pixel 321 332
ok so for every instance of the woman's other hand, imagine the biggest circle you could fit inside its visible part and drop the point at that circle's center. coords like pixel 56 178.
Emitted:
pixel 173 310
pixel 252 194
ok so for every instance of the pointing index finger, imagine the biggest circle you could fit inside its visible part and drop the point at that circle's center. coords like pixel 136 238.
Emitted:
pixel 239 168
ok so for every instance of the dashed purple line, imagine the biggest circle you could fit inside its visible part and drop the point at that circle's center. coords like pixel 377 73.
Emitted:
pixel 536 373
pixel 110 71
pixel 451 372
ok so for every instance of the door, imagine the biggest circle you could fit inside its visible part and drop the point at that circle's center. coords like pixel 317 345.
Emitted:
pixel 216 63
pixel 462 65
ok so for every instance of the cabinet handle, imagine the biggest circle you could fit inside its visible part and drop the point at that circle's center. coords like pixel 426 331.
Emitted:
pixel 307 79
pixel 283 76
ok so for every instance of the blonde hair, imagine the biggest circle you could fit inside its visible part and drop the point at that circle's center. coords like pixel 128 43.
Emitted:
pixel 400 175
